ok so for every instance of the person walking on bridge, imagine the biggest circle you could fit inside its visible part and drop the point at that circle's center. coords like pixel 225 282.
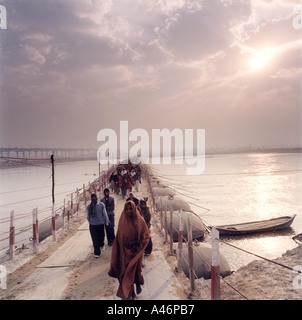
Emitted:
pixel 110 206
pixel 131 240
pixel 97 218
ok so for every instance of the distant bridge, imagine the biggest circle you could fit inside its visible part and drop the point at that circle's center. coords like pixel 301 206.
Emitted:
pixel 43 153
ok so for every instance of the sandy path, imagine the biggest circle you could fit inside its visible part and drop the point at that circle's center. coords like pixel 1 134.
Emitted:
pixel 67 269
pixel 82 277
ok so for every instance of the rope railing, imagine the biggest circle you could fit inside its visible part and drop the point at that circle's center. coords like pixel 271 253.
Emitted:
pixel 164 217
pixel 66 210
pixel 69 208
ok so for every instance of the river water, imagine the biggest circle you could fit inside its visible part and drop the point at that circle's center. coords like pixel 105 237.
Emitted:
pixel 24 188
pixel 233 188
pixel 243 187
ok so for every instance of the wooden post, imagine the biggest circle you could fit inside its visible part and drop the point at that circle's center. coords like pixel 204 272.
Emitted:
pixel 12 239
pixel 68 216
pixel 63 214
pixel 190 254
pixel 37 227
pixel 166 226
pixel 53 178
pixel 53 216
pixel 35 236
pixel 53 223
pixel 71 204
pixel 171 232
pixel 78 204
pixel 215 267
pixel 161 213
pixel 152 194
pixel 84 194
pixel 180 239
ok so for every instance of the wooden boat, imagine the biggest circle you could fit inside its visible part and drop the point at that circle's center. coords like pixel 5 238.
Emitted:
pixel 256 226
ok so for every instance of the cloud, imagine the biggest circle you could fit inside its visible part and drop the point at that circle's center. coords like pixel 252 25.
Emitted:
pixel 70 68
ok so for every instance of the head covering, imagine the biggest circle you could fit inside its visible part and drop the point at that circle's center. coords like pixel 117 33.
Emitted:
pixel 141 201
pixel 92 205
pixel 131 239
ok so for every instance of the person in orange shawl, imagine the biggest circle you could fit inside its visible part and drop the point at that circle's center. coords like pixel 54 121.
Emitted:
pixel 131 240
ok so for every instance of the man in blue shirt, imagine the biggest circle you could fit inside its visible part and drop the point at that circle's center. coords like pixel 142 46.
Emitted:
pixel 97 218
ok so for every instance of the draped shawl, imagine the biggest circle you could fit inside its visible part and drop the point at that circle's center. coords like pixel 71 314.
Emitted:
pixel 128 248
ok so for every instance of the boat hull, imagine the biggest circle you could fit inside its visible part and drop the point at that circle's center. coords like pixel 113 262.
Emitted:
pixel 260 226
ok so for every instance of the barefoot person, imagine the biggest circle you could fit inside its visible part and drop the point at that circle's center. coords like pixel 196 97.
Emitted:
pixel 130 242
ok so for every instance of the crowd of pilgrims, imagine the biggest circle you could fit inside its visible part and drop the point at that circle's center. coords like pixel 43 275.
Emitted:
pixel 132 239
pixel 124 179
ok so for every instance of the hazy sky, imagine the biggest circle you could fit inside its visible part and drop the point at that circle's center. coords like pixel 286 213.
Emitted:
pixel 70 68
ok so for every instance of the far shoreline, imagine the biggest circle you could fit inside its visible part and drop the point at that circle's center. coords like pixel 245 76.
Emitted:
pixel 6 163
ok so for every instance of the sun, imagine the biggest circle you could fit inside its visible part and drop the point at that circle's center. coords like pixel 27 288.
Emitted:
pixel 260 59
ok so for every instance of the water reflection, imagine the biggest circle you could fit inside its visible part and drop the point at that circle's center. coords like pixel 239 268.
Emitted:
pixel 264 184
pixel 241 250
